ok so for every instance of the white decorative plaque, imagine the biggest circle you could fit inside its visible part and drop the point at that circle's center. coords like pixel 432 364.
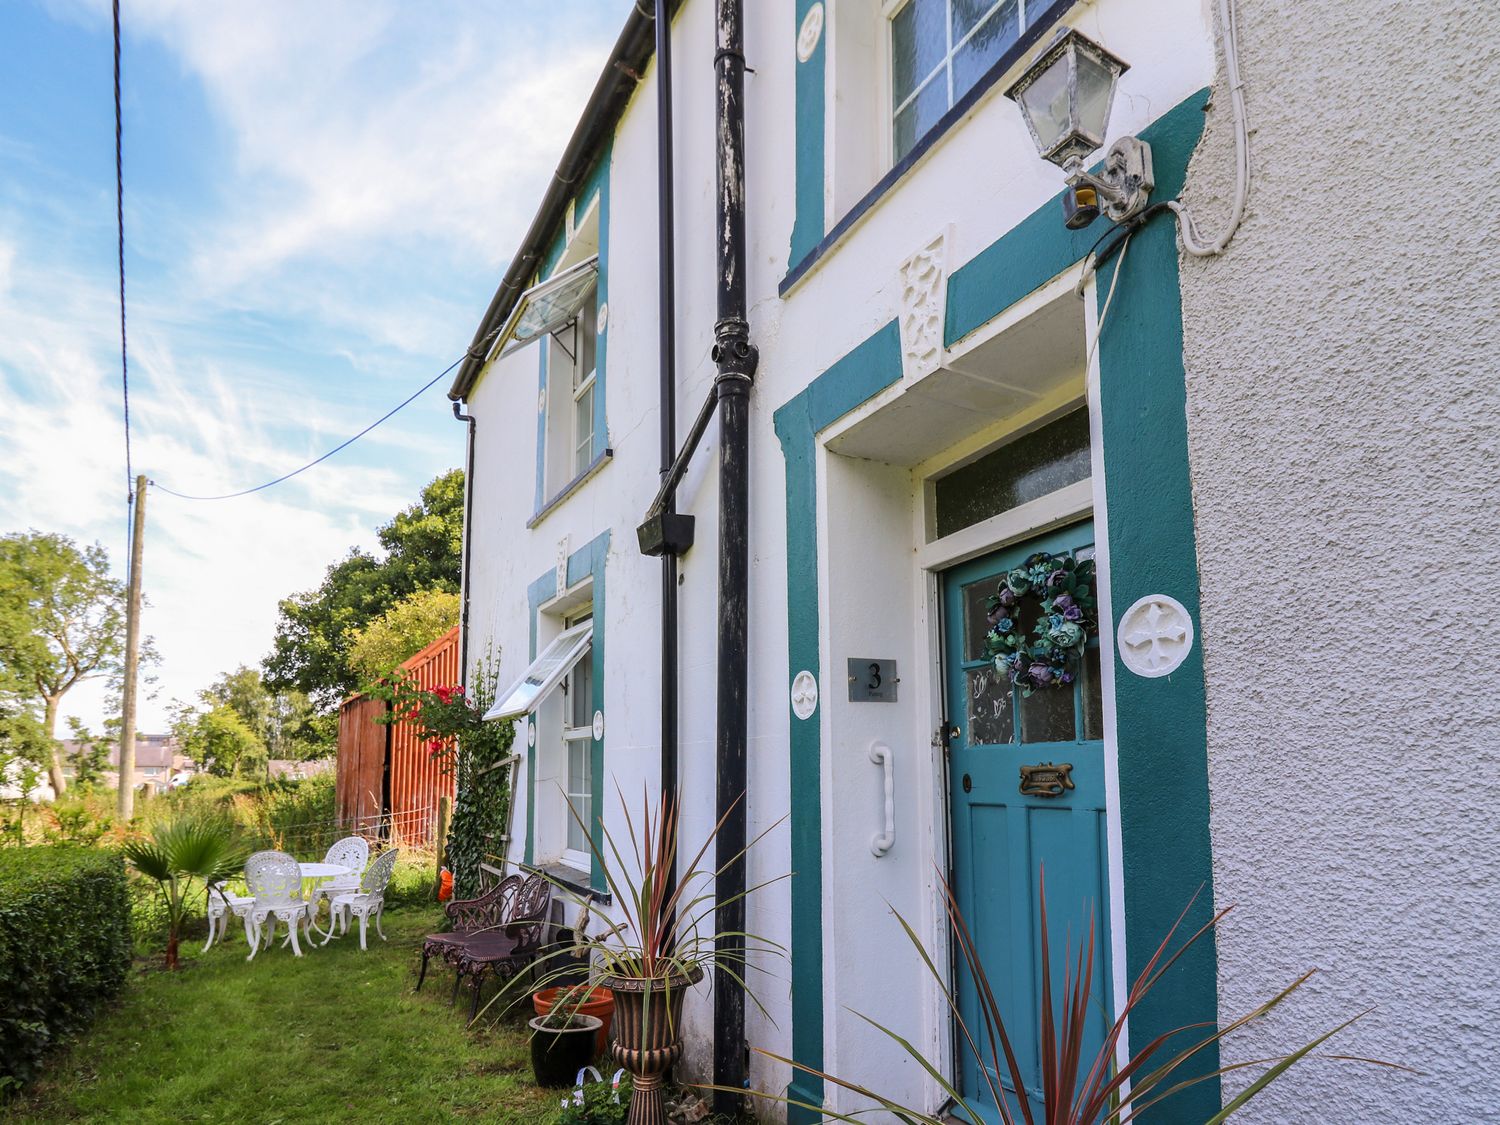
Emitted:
pixel 603 320
pixel 923 302
pixel 598 725
pixel 804 694
pixel 1156 635
pixel 531 732
pixel 810 32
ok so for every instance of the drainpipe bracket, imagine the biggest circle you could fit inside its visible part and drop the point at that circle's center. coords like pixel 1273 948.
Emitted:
pixel 665 533
pixel 736 357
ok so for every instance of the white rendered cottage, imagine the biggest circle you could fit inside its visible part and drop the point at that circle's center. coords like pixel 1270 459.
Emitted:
pixel 1281 459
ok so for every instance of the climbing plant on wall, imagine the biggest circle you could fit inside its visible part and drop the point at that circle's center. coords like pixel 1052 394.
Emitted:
pixel 451 720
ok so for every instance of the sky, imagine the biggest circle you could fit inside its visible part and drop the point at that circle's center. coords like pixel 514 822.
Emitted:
pixel 320 200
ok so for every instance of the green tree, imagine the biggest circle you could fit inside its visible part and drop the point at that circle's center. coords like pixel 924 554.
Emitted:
pixel 422 550
pixel 62 621
pixel 285 721
pixel 220 741
pixel 404 630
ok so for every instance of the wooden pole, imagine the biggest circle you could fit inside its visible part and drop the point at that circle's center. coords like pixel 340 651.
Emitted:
pixel 440 841
pixel 126 805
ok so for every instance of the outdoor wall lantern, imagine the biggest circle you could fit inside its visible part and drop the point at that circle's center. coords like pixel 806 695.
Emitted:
pixel 1065 96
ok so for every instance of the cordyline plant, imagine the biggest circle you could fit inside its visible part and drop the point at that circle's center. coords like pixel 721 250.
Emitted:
pixel 659 935
pixel 179 851
pixel 1078 1088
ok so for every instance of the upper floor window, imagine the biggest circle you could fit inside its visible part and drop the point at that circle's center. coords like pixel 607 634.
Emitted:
pixel 940 49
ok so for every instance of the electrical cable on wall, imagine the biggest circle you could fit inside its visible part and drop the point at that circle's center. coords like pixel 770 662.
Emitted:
pixel 120 232
pixel 1192 240
pixel 319 460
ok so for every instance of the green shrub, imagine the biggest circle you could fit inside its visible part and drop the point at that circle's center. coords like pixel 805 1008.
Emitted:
pixel 64 947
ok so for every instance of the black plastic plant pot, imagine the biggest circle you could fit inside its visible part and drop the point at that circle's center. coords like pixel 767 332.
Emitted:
pixel 559 1053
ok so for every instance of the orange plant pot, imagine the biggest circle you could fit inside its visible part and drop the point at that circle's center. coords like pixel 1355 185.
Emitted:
pixel 600 1003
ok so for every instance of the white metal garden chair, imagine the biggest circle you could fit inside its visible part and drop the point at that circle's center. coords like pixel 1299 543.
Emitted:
pixel 222 902
pixel 368 900
pixel 275 880
pixel 352 852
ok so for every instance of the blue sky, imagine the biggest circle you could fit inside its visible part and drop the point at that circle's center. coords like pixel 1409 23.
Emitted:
pixel 320 200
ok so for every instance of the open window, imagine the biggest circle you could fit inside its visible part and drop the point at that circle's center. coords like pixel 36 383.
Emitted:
pixel 555 695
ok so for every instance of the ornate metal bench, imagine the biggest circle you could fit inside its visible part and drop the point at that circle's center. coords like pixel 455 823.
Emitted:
pixel 498 933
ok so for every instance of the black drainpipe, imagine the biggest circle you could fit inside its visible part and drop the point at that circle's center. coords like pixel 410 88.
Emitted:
pixel 736 358
pixel 463 581
pixel 667 324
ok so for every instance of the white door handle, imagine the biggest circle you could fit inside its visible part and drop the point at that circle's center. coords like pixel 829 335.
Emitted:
pixel 882 842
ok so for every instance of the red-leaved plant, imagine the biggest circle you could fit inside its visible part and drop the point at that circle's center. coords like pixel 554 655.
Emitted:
pixel 1108 1093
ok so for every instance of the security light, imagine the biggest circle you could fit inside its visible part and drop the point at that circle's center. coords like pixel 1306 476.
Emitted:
pixel 1065 96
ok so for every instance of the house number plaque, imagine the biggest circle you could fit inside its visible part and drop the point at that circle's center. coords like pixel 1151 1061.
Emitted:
pixel 1046 779
pixel 872 680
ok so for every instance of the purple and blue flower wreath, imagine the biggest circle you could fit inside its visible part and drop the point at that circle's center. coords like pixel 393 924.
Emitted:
pixel 1049 656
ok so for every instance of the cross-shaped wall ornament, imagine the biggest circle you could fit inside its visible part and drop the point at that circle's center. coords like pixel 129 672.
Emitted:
pixel 1156 635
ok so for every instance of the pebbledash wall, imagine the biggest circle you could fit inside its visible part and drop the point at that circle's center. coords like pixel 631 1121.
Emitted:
pixel 1315 761
pixel 1344 426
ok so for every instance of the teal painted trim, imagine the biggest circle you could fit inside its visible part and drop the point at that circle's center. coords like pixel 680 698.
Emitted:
pixel 807 226
pixel 1162 724
pixel 543 590
pixel 586 562
pixel 863 373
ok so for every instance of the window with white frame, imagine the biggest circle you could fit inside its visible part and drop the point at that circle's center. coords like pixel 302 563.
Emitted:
pixel 939 50
pixel 556 695
pixel 578 743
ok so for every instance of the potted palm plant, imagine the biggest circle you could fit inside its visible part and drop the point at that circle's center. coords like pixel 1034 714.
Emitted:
pixel 563 1040
pixel 657 950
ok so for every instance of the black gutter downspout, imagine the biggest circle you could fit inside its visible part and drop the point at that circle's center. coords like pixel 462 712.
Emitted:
pixel 667 423
pixel 463 581
pixel 736 358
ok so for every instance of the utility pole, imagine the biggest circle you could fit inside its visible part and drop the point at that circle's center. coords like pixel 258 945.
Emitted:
pixel 126 804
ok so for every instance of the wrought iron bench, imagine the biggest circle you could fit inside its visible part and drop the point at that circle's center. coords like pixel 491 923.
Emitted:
pixel 497 934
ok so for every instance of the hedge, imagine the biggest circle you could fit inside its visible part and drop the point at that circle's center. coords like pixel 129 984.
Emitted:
pixel 64 948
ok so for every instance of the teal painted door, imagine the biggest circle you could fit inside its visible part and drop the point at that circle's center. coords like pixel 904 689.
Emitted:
pixel 1002 838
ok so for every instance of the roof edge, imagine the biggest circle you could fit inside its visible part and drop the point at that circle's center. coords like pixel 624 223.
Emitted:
pixel 606 105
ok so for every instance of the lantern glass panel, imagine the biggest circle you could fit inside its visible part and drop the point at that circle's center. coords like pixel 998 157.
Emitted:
pixel 1047 105
pixel 1096 87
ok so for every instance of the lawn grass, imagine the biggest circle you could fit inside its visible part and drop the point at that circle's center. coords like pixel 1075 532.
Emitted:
pixel 337 1035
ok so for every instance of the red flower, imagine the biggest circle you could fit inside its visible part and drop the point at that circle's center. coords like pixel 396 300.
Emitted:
pixel 446 693
pixel 435 744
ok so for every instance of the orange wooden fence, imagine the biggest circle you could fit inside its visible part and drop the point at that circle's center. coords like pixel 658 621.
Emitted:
pixel 388 782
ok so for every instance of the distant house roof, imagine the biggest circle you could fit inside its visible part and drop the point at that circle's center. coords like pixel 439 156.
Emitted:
pixel 151 750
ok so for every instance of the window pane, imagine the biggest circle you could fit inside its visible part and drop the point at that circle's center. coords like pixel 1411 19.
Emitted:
pixel 1031 466
pixel 580 790
pixel 583 423
pixel 587 338
pixel 913 122
pixel 581 695
pixel 1047 716
pixel 990 709
pixel 1093 697
pixel 994 37
pixel 976 617
pixel 919 41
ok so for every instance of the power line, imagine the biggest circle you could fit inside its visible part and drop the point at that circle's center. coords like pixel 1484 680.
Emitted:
pixel 319 460
pixel 120 229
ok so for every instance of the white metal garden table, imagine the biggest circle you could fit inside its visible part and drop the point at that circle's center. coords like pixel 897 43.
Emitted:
pixel 313 873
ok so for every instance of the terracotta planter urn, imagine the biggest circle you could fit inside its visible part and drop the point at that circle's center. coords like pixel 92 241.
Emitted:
pixel 648 1036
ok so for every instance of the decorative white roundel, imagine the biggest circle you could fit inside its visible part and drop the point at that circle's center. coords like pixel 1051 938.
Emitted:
pixel 531 733
pixel 810 32
pixel 602 321
pixel 804 694
pixel 541 402
pixel 598 725
pixel 1156 635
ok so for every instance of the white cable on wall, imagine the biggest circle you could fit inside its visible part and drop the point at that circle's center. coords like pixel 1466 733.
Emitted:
pixel 1192 240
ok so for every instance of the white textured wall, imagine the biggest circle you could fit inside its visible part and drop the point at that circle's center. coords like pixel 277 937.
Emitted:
pixel 1343 423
